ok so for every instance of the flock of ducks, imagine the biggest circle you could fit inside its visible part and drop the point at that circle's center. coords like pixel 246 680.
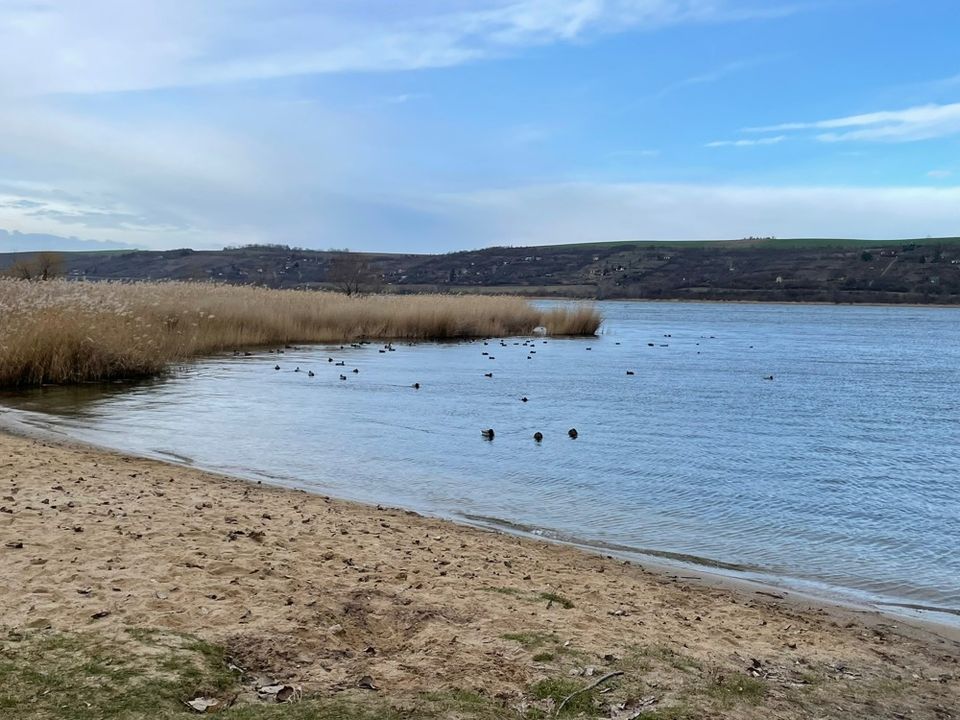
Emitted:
pixel 487 434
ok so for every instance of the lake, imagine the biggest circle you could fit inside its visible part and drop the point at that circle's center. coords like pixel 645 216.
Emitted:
pixel 838 476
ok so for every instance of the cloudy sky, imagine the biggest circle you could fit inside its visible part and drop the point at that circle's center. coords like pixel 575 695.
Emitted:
pixel 434 125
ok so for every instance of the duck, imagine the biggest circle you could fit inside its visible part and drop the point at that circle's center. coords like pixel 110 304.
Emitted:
pixel 343 377
pixel 538 436
pixel 630 372
pixel 355 370
pixel 276 367
pixel 523 399
pixel 572 432
pixel 416 386
pixel 488 374
pixel 310 373
pixel 487 434
pixel 768 377
pixel 297 369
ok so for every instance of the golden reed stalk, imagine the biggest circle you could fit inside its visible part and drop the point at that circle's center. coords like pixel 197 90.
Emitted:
pixel 68 332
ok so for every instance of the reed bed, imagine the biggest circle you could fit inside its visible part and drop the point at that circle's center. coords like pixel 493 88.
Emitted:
pixel 69 332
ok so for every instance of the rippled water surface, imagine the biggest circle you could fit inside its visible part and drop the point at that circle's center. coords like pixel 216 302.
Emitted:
pixel 839 474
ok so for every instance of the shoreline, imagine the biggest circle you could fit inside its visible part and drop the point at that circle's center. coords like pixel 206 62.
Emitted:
pixel 320 592
pixel 698 301
pixel 714 573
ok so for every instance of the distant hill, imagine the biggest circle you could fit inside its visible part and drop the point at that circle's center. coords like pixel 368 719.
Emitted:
pixel 814 270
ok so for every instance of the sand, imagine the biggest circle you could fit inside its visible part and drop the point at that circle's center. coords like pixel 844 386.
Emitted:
pixel 322 592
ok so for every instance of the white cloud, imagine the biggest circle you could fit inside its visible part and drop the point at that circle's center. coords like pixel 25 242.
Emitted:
pixel 747 143
pixel 607 212
pixel 922 122
pixel 179 180
pixel 565 213
pixel 939 174
pixel 70 46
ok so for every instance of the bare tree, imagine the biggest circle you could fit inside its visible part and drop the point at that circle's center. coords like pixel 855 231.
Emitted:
pixel 350 272
pixel 43 266
pixel 21 269
pixel 50 265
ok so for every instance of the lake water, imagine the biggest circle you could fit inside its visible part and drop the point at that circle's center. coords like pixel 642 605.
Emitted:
pixel 841 475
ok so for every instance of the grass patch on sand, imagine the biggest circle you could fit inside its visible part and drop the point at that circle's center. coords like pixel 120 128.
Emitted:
pixel 513 592
pixel 557 689
pixel 84 676
pixel 553 598
pixel 532 640
pixel 667 656
pixel 68 332
pixel 733 689
pixel 149 674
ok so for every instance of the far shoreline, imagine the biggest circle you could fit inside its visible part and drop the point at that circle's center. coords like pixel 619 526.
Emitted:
pixel 779 303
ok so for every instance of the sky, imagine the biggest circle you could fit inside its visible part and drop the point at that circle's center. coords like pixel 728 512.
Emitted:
pixel 440 125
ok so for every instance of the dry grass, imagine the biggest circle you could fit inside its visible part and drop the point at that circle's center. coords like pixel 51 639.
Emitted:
pixel 66 332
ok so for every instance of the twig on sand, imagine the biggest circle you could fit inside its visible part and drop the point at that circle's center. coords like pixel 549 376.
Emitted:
pixel 588 688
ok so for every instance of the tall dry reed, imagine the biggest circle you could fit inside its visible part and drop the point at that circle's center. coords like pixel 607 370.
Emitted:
pixel 67 332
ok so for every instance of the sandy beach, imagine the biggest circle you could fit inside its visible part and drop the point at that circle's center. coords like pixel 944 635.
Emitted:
pixel 331 596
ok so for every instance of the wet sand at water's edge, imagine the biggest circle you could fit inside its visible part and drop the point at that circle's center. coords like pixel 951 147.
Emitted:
pixel 321 592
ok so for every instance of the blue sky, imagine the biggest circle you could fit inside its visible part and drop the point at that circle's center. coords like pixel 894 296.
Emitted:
pixel 435 125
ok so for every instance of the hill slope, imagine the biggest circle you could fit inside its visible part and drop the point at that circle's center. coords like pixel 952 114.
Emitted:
pixel 824 270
